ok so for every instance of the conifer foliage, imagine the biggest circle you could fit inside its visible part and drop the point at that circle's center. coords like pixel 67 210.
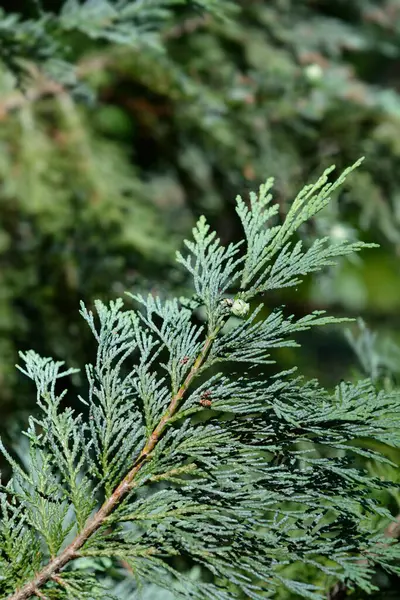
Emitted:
pixel 120 114
pixel 180 456
pixel 42 37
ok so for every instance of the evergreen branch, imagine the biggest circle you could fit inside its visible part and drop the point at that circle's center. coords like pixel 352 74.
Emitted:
pixel 187 26
pixel 271 475
pixel 40 595
pixel 124 26
pixel 18 100
pixel 44 86
pixel 340 590
pixel 393 530
pixel 71 552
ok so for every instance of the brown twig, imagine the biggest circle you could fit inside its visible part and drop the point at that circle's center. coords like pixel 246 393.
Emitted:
pixel 48 87
pixel 72 550
pixel 188 26
pixel 40 595
pixel 338 591
pixel 59 580
pixel 393 530
pixel 18 99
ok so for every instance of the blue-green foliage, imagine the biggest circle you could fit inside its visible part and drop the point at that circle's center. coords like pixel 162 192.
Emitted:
pixel 134 23
pixel 241 476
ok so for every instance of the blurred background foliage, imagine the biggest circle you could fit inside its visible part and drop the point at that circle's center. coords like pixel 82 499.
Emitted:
pixel 122 122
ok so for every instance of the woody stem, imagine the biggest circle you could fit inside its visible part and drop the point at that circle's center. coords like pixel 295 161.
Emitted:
pixel 55 565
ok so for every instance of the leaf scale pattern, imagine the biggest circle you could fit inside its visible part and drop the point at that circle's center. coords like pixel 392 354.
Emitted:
pixel 188 455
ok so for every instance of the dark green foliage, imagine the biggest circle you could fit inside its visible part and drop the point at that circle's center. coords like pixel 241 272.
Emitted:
pixel 45 36
pixel 115 134
pixel 116 147
pixel 246 478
